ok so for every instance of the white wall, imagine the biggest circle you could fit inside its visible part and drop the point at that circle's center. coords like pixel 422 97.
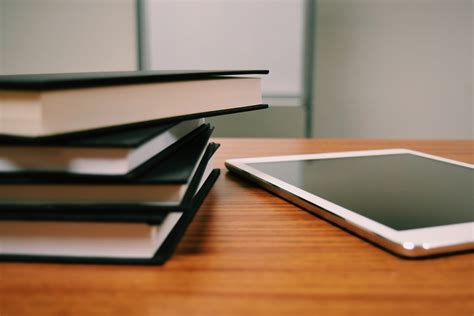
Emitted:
pixel 67 35
pixel 394 69
pixel 230 34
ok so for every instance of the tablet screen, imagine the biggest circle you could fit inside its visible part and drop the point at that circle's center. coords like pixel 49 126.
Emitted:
pixel 402 191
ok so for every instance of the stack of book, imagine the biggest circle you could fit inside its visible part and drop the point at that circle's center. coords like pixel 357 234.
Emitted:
pixel 109 167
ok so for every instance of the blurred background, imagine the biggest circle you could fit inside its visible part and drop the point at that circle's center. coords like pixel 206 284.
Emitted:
pixel 338 68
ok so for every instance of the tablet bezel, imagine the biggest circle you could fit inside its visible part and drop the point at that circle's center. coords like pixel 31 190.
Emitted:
pixel 409 243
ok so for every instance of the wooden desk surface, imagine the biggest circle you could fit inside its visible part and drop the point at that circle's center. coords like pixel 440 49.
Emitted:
pixel 251 253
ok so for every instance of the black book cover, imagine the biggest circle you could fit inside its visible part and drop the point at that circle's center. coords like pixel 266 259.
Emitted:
pixel 95 79
pixel 162 254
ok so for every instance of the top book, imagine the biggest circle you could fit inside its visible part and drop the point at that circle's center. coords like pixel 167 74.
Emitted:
pixel 50 104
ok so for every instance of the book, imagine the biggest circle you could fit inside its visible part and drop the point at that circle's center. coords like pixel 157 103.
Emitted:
pixel 52 104
pixel 144 238
pixel 107 153
pixel 168 182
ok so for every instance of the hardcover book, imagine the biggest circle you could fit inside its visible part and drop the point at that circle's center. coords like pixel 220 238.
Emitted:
pixel 168 182
pixel 52 104
pixel 107 153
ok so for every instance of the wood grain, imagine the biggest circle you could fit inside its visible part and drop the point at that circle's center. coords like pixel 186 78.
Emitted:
pixel 250 253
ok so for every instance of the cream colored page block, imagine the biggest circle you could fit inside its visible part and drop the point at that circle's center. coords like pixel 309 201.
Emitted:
pixel 52 158
pixel 77 109
pixel 77 239
pixel 76 194
pixel 20 112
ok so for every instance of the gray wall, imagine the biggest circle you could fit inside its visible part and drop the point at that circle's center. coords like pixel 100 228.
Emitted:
pixel 394 69
pixel 67 35
pixel 277 121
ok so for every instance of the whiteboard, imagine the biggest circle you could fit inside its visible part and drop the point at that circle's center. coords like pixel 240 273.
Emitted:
pixel 228 34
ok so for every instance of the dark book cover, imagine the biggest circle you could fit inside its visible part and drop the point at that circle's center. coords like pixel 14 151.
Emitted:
pixel 113 78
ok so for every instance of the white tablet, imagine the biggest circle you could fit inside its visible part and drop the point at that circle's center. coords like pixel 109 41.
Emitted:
pixel 410 203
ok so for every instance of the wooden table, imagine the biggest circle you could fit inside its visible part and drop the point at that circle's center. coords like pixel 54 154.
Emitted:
pixel 250 253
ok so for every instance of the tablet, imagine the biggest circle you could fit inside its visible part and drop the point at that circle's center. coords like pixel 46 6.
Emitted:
pixel 410 203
